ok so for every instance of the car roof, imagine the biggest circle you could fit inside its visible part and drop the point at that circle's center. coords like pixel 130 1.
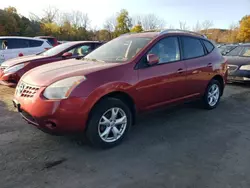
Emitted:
pixel 245 44
pixel 44 37
pixel 16 37
pixel 153 34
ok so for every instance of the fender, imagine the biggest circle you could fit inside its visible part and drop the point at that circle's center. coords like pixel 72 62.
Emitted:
pixel 104 90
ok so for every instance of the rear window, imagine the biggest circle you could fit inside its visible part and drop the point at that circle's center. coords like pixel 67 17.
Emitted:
pixel 192 47
pixel 35 43
pixel 51 41
pixel 209 46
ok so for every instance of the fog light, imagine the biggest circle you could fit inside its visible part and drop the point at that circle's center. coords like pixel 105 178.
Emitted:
pixel 50 125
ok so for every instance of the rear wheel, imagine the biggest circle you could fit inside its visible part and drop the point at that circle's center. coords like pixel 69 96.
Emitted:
pixel 212 95
pixel 109 123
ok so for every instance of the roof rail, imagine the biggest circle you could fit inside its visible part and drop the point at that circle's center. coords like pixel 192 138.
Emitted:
pixel 180 30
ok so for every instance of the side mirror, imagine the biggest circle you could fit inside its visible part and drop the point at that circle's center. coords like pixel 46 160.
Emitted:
pixel 67 54
pixel 152 59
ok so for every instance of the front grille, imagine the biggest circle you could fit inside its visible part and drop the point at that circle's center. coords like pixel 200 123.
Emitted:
pixel 232 68
pixel 26 90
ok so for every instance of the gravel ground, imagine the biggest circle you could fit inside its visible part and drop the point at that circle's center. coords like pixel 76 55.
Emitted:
pixel 180 147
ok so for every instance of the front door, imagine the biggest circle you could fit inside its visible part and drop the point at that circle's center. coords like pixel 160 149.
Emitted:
pixel 164 82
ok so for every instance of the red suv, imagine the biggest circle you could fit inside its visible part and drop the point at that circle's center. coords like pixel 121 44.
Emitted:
pixel 101 94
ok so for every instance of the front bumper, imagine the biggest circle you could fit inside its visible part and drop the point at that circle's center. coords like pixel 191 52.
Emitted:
pixel 239 76
pixel 53 116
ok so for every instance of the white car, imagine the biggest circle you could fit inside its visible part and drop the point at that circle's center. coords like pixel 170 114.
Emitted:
pixel 11 47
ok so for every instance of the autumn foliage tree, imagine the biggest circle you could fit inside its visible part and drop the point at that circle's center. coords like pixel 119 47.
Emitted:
pixel 244 29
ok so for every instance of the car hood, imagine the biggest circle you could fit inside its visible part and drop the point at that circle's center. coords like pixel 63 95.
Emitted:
pixel 236 60
pixel 47 74
pixel 18 60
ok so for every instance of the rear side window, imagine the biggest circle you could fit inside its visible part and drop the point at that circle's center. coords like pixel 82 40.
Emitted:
pixel 35 43
pixel 192 48
pixel 17 43
pixel 209 46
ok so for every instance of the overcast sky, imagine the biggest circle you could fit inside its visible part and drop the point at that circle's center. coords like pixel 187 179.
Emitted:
pixel 221 12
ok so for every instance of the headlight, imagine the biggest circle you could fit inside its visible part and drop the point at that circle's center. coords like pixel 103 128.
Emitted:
pixel 13 69
pixel 62 89
pixel 245 67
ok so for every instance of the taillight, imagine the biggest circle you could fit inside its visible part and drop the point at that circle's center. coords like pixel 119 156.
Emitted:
pixel 20 54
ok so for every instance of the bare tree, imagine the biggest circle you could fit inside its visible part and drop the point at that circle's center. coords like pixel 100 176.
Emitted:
pixel 207 24
pixel 50 14
pixel 110 23
pixel 183 25
pixel 80 19
pixel 149 21
pixel 197 27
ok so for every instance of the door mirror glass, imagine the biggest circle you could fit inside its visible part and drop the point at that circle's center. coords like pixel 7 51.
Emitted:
pixel 152 59
pixel 67 54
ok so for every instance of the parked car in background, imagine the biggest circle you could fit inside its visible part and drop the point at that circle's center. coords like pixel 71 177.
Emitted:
pixel 52 40
pixel 102 93
pixel 224 49
pixel 11 47
pixel 239 64
pixel 12 70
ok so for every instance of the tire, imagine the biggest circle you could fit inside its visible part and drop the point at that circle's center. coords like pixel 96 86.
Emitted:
pixel 206 99
pixel 97 124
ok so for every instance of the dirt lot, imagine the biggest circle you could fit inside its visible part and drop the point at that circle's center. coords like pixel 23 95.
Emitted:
pixel 182 147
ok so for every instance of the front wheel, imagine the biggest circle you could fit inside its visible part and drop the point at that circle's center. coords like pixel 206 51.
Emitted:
pixel 212 95
pixel 109 123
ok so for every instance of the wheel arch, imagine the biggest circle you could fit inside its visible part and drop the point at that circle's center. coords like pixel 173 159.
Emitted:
pixel 121 95
pixel 220 79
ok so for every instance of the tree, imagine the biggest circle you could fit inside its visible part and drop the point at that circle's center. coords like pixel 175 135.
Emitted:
pixel 197 27
pixel 149 21
pixel 123 23
pixel 11 10
pixel 244 29
pixel 50 14
pixel 183 25
pixel 207 24
pixel 137 28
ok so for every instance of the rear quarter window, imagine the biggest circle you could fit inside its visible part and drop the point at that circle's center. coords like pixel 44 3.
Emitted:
pixel 192 47
pixel 35 43
pixel 209 46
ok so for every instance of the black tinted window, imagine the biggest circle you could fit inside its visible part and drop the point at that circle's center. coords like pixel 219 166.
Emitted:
pixel 192 47
pixel 35 43
pixel 209 46
pixel 17 43
pixel 51 41
pixel 167 50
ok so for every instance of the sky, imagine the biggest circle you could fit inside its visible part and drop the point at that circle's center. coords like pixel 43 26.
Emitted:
pixel 222 12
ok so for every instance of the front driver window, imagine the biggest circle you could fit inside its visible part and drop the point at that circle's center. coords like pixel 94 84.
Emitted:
pixel 167 50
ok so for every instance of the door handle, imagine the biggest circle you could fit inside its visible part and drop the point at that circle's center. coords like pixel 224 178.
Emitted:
pixel 210 65
pixel 179 71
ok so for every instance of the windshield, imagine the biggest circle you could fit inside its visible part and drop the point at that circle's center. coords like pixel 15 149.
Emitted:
pixel 120 49
pixel 56 50
pixel 246 52
pixel 236 51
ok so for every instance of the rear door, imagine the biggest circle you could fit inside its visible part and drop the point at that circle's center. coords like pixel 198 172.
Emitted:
pixel 198 65
pixel 164 82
